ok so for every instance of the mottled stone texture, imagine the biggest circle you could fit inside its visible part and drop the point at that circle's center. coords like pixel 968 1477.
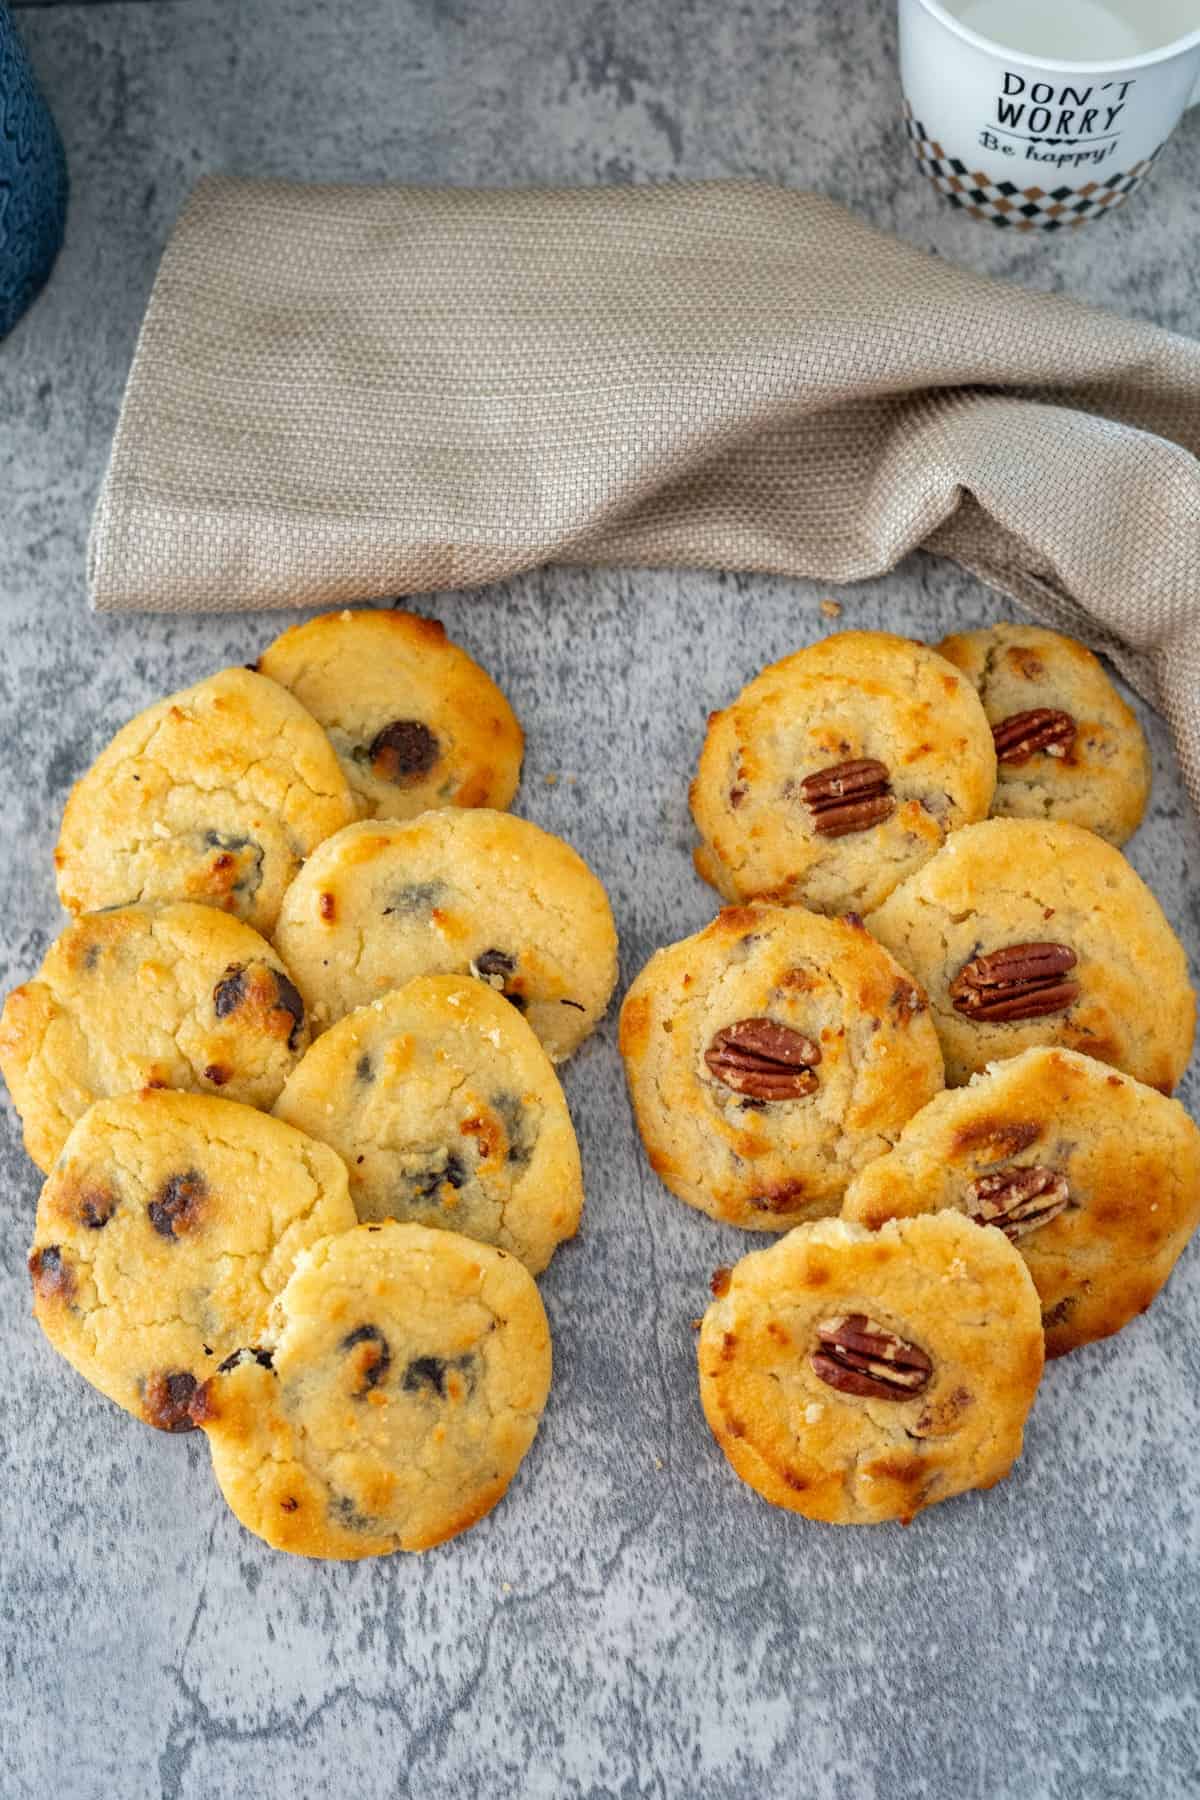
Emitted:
pixel 632 1621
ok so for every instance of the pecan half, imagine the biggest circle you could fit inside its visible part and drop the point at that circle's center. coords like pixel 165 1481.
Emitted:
pixel 1023 981
pixel 1017 1200
pixel 766 1060
pixel 850 796
pixel 858 1355
pixel 1023 734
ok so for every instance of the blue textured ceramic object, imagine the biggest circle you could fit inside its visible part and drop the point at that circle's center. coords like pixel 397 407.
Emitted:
pixel 33 180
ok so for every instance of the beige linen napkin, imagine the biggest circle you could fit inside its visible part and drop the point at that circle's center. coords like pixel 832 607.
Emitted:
pixel 342 393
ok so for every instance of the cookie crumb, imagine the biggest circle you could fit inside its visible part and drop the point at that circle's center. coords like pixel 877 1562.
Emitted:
pixel 831 609
pixel 813 1413
pixel 552 779
pixel 506 1587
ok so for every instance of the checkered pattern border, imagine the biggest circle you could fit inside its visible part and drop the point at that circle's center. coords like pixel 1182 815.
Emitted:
pixel 1022 209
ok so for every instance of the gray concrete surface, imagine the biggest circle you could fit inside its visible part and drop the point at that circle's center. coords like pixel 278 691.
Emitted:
pixel 632 1621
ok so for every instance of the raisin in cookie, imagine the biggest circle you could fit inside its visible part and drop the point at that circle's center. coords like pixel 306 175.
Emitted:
pixel 167 1224
pixel 391 1399
pixel 838 772
pixel 1024 933
pixel 1094 1178
pixel 176 996
pixel 1067 746
pixel 453 892
pixel 446 1111
pixel 216 794
pixel 770 1057
pixel 855 1376
pixel 415 722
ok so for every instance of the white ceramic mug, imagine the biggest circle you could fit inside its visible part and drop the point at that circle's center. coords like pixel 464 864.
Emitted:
pixel 1036 142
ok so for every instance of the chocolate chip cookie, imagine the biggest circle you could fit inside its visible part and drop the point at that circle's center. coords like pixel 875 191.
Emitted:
pixel 391 1399
pixel 415 722
pixel 1024 933
pixel 1094 1178
pixel 175 996
pixel 837 772
pixel 855 1376
pixel 476 893
pixel 167 1224
pixel 446 1111
pixel 770 1057
pixel 1067 746
pixel 217 794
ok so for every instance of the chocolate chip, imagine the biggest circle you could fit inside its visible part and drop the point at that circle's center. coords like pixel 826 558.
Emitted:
pixel 514 1116
pixel 91 956
pixel 495 963
pixel 417 897
pixel 96 1207
pixel 217 1073
pixel 248 1353
pixel 425 1184
pixel 51 1273
pixel 167 1400
pixel 403 751
pixel 289 1001
pixel 343 1509
pixel 430 1372
pixel 372 1368
pixel 230 991
pixel 363 1070
pixel 289 1504
pixel 175 1208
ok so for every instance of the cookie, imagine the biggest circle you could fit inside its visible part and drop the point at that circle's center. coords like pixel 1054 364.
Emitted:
pixel 446 1111
pixel 415 722
pixel 167 1224
pixel 216 794
pixel 454 892
pixel 175 996
pixel 1067 746
pixel 770 1057
pixel 855 1376
pixel 1024 933
pixel 389 1403
pixel 837 772
pixel 1094 1178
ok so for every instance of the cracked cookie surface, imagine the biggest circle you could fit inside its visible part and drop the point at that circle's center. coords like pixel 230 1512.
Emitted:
pixel 1016 882
pixel 837 772
pixel 929 1337
pixel 396 1390
pixel 1095 769
pixel 447 1113
pixel 166 1226
pixel 728 1123
pixel 1128 1159
pixel 174 996
pixel 216 794
pixel 462 892
pixel 415 722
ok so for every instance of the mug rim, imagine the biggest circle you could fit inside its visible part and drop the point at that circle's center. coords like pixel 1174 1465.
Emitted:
pixel 1145 60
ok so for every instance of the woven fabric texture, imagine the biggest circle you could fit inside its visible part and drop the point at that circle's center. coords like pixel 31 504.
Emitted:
pixel 344 393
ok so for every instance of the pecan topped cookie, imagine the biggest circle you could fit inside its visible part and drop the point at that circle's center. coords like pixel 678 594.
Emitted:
pixel 838 771
pixel 415 722
pixel 390 1399
pixel 217 794
pixel 770 1057
pixel 1094 1177
pixel 476 893
pixel 858 1377
pixel 446 1111
pixel 176 996
pixel 166 1226
pixel 1067 746
pixel 1027 933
